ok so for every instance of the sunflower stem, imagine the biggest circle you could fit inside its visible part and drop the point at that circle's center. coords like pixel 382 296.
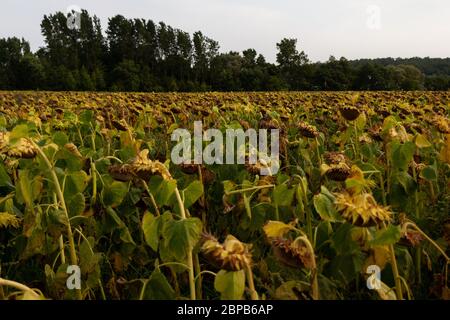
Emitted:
pixel 190 262
pixel 251 284
pixel 72 249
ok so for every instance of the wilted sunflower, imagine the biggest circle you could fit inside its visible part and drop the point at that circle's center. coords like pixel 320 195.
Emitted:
pixel 189 168
pixel 442 124
pixel 361 209
pixel 9 220
pixel 337 167
pixel 144 168
pixel 4 141
pixel 232 255
pixel 119 125
pixel 334 157
pixel 267 123
pixel 307 130
pixel 121 172
pixel 337 172
pixel 140 167
pixel 349 112
pixel 292 254
pixel 22 149
pixel 244 124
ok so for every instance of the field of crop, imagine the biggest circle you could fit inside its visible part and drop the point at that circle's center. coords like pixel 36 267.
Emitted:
pixel 91 206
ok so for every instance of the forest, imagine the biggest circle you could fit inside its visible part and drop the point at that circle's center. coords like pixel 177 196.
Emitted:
pixel 141 55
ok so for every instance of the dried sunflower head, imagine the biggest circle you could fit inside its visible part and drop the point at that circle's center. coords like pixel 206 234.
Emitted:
pixel 22 149
pixel 244 124
pixel 232 255
pixel 307 130
pixel 267 123
pixel 365 138
pixel 333 157
pixel 121 172
pixel 4 141
pixel 292 254
pixel 9 220
pixel 350 113
pixel 442 124
pixel 120 125
pixel 140 167
pixel 375 133
pixel 144 168
pixel 189 168
pixel 338 172
pixel 361 209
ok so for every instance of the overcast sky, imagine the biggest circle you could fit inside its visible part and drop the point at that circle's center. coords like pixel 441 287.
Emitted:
pixel 350 28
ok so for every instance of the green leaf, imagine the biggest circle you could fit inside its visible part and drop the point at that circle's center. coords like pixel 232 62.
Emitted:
pixel 158 288
pixel 5 180
pixel 390 235
pixel 402 155
pixel 75 183
pixel 28 187
pixel 20 131
pixel 283 196
pixel 125 234
pixel 230 284
pixel 115 217
pixel 429 173
pixel 276 229
pixel 152 227
pixel 60 138
pixel 422 142
pixel 162 190
pixel 86 116
pixel 76 205
pixel 406 181
pixel 192 193
pixel 361 121
pixel 342 241
pixel 88 259
pixel 114 194
pixel 323 203
pixel 182 235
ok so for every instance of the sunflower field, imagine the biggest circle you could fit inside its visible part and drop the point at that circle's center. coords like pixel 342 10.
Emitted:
pixel 92 208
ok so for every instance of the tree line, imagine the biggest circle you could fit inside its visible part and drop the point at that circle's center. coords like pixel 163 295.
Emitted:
pixel 141 55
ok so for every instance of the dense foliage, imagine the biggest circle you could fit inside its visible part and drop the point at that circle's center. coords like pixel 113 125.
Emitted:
pixel 86 179
pixel 140 55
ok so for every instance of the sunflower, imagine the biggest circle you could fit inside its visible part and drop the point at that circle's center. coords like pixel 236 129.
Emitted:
pixel 292 254
pixel 350 113
pixel 140 167
pixel 338 172
pixel 189 168
pixel 119 125
pixel 232 255
pixel 361 209
pixel 307 130
pixel 333 157
pixel 442 124
pixel 22 149
pixel 4 141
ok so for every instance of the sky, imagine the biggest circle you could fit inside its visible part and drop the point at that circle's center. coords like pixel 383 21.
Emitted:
pixel 350 28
